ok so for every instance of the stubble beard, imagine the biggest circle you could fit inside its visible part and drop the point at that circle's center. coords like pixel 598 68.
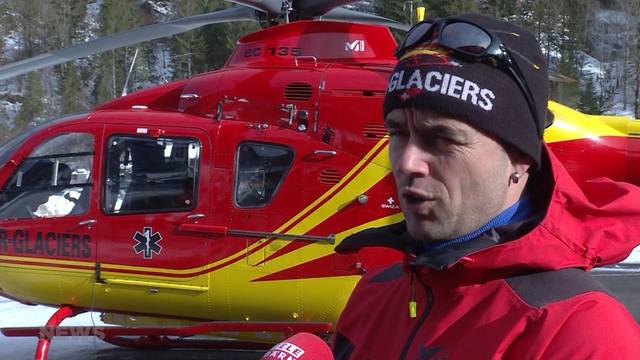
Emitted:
pixel 445 221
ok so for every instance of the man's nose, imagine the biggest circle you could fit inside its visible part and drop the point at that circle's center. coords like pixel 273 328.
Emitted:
pixel 414 160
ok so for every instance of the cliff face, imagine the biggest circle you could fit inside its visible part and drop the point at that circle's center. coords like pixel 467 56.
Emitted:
pixel 609 33
pixel 610 59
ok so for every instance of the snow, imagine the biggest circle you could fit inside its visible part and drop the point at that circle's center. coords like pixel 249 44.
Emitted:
pixel 619 110
pixel 590 65
pixel 602 75
pixel 592 68
pixel 612 17
pixel 8 111
pixel 163 10
pixel 14 314
pixel 162 67
pixel 11 44
pixel 634 258
pixel 610 64
pixel 91 19
pixel 27 315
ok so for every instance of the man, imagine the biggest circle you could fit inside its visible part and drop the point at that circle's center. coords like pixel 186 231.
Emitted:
pixel 497 235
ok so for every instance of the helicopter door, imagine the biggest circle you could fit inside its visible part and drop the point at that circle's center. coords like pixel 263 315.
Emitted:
pixel 152 185
pixel 47 213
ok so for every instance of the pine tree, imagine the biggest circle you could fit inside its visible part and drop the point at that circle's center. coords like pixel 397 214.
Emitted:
pixel 5 133
pixel 4 29
pixel 65 23
pixel 221 41
pixel 589 103
pixel 209 47
pixel 70 89
pixel 441 8
pixel 27 19
pixel 32 107
pixel 395 10
pixel 112 67
pixel 498 8
pixel 398 11
pixel 572 30
pixel 189 48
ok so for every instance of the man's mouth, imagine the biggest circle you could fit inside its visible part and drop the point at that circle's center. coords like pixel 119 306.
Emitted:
pixel 414 196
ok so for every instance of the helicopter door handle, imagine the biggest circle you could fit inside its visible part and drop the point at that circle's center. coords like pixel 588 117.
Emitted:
pixel 325 152
pixel 313 58
pixel 88 222
pixel 196 216
pixel 204 229
pixel 189 97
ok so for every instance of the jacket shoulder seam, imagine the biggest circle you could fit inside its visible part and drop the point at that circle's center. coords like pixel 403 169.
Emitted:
pixel 539 289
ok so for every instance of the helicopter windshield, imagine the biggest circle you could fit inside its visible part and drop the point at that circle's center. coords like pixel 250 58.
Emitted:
pixel 50 182
pixel 7 149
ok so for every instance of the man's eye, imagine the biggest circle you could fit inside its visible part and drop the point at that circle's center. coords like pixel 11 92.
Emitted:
pixel 446 143
pixel 395 132
pixel 438 143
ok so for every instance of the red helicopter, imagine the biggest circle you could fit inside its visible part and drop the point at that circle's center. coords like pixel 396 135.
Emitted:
pixel 213 204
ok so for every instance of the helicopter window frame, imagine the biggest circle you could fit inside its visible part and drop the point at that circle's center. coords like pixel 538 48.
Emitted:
pixel 113 206
pixel 8 149
pixel 48 182
pixel 268 198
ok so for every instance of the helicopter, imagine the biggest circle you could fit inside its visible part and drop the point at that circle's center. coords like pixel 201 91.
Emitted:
pixel 213 204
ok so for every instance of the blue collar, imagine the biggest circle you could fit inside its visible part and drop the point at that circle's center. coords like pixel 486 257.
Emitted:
pixel 519 211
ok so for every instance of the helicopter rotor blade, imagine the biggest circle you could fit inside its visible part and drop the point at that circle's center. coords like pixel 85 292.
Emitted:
pixel 306 9
pixel 342 14
pixel 271 7
pixel 126 38
pixel 313 8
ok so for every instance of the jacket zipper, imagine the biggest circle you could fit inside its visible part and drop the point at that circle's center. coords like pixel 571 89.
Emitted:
pixel 422 318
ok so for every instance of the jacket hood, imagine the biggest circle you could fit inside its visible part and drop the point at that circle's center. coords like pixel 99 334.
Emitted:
pixel 576 227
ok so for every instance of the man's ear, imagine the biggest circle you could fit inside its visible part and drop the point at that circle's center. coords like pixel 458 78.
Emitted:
pixel 522 168
pixel 520 163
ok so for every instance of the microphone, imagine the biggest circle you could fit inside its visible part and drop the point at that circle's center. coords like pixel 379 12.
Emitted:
pixel 301 346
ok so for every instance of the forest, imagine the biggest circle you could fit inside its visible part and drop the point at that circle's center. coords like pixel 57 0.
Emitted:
pixel 592 49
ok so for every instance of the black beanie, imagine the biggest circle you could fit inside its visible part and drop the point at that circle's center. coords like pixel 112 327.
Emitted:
pixel 484 97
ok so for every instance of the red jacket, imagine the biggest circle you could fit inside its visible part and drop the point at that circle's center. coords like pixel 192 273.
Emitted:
pixel 519 291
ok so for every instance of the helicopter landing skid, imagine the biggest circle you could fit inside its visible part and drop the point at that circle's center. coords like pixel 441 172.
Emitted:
pixel 166 343
pixel 45 334
pixel 144 337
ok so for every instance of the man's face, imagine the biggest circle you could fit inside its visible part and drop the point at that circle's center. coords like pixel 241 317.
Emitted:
pixel 451 178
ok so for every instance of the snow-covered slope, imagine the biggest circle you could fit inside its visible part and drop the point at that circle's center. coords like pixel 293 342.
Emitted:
pixel 14 314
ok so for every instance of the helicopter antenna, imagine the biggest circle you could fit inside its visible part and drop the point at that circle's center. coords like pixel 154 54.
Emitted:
pixel 404 8
pixel 286 8
pixel 126 82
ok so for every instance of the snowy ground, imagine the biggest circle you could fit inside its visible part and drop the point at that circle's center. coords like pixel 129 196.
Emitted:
pixel 13 314
pixel 623 282
pixel 634 258
pixel 38 315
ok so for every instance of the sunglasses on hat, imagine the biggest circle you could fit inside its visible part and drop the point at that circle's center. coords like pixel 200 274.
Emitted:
pixel 471 43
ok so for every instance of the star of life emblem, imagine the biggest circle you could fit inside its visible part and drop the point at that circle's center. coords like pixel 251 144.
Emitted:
pixel 147 242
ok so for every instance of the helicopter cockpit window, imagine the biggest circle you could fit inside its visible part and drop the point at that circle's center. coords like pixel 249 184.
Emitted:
pixel 53 181
pixel 151 175
pixel 260 169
